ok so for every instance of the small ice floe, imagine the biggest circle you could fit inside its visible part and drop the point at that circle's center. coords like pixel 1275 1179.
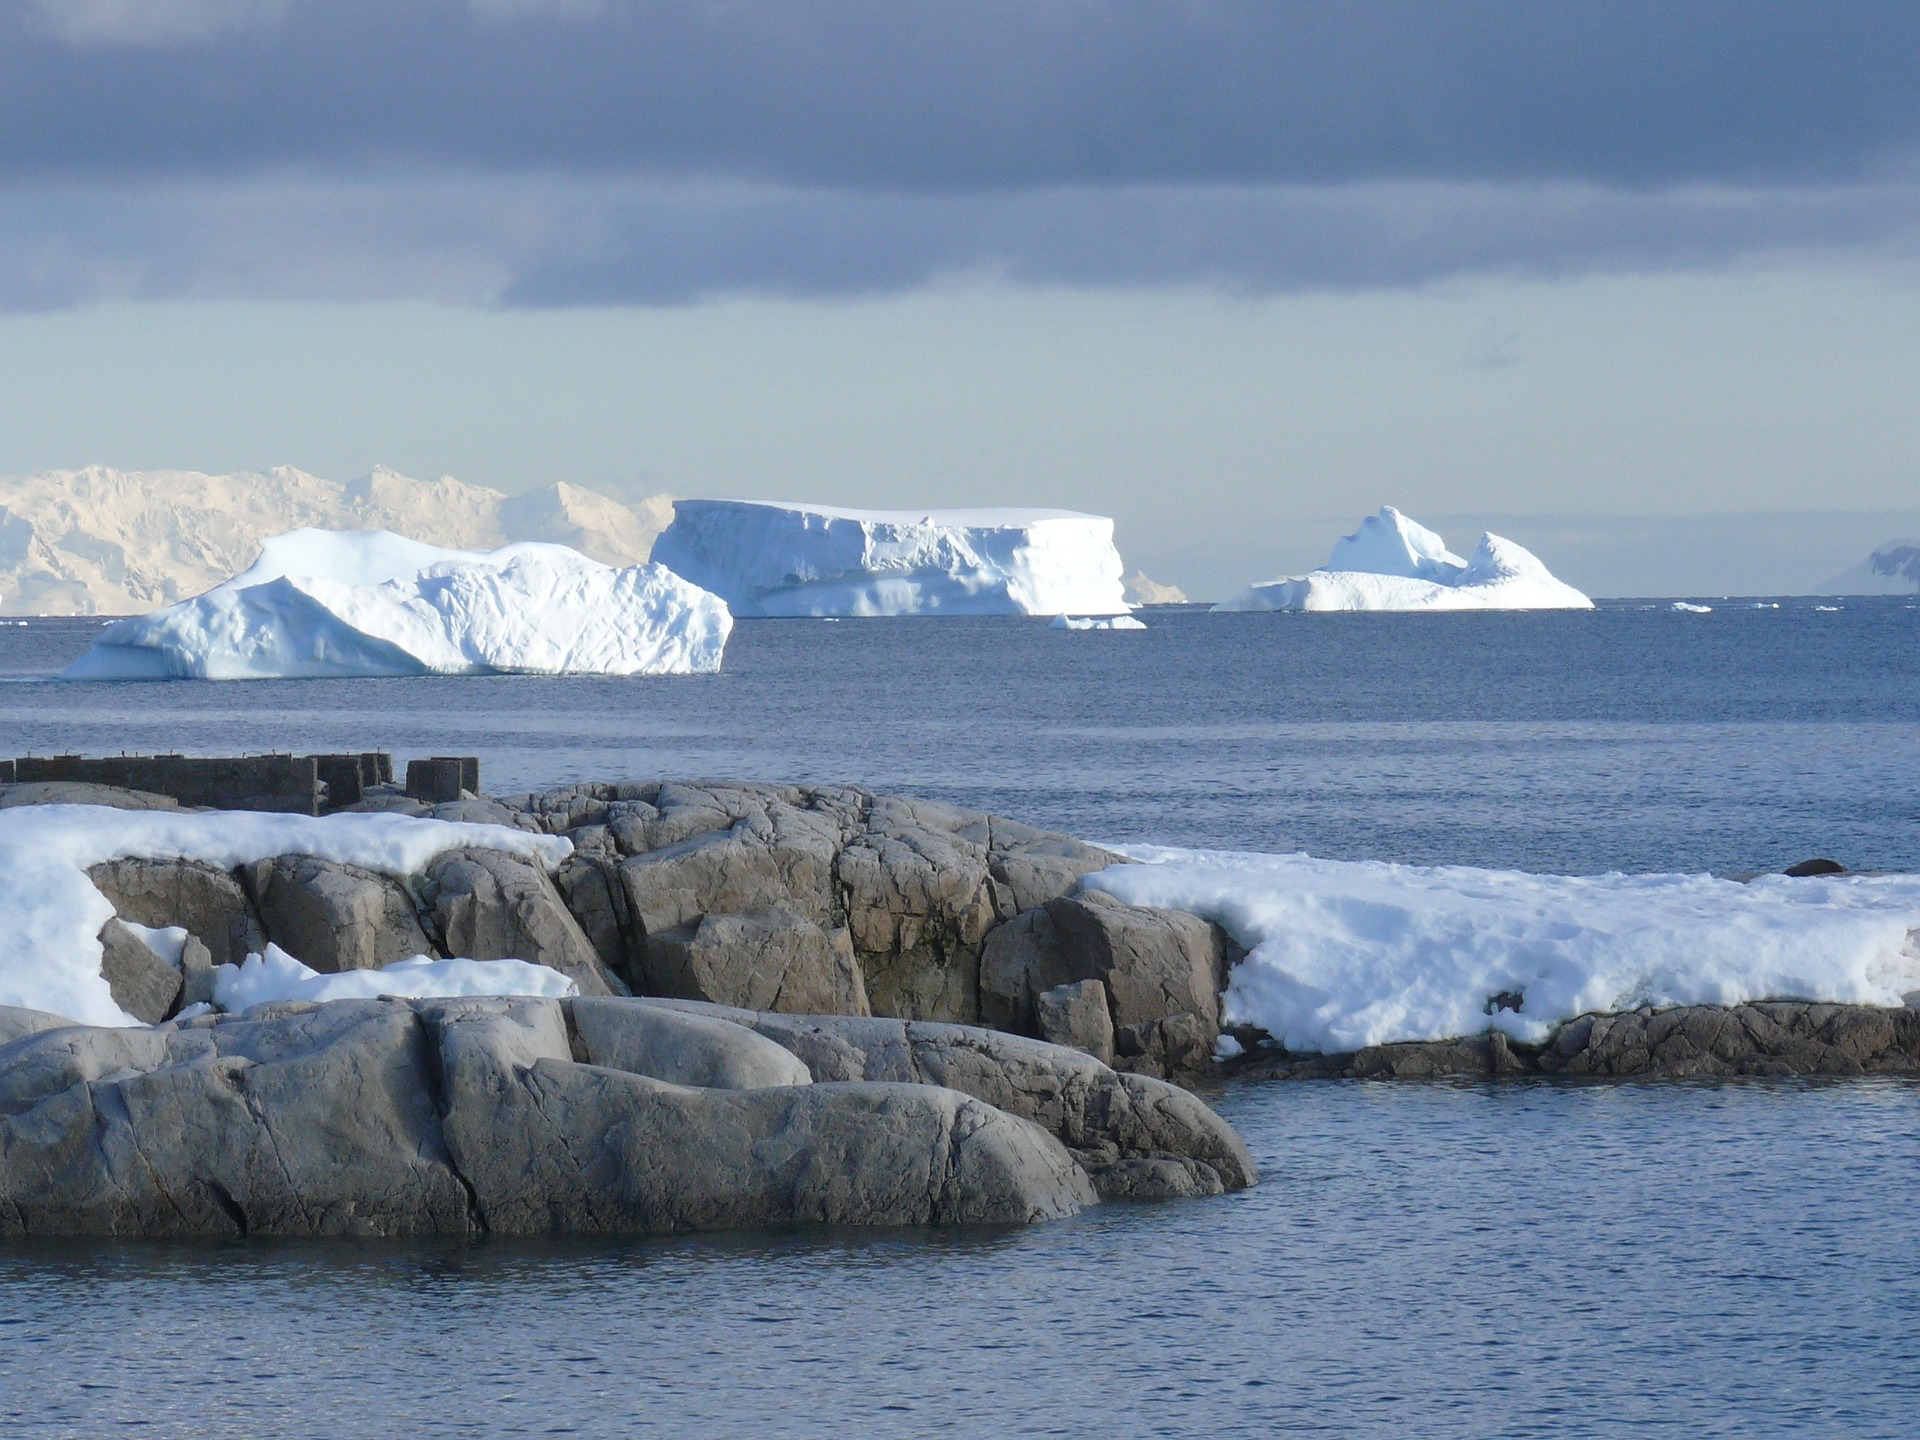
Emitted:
pixel 1691 608
pixel 1096 622
pixel 1828 609
pixel 1764 605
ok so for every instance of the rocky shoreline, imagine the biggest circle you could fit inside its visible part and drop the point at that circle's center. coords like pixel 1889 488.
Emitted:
pixel 794 1004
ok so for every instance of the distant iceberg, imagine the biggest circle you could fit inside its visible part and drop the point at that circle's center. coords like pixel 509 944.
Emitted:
pixel 1394 563
pixel 326 603
pixel 773 559
pixel 1893 569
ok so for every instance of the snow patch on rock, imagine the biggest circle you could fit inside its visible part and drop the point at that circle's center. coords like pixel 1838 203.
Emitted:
pixel 349 603
pixel 1393 563
pixel 51 913
pixel 273 975
pixel 1342 955
pixel 774 559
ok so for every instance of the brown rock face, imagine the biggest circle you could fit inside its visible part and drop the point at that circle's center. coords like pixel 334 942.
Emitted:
pixel 766 960
pixel 490 905
pixel 142 984
pixel 337 917
pixel 203 899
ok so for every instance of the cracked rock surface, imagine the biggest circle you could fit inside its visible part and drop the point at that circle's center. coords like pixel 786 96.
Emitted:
pixel 594 1115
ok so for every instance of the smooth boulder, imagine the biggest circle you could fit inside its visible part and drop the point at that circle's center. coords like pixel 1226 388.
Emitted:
pixel 333 917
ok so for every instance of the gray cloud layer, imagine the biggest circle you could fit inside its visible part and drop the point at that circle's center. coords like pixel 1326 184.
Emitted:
pixel 590 151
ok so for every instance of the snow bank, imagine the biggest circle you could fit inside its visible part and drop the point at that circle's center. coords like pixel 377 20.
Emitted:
pixel 353 602
pixel 771 559
pixel 275 975
pixel 1115 622
pixel 1348 954
pixel 1394 563
pixel 51 914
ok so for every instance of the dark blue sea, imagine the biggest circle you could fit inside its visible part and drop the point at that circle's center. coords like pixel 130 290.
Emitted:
pixel 1442 1260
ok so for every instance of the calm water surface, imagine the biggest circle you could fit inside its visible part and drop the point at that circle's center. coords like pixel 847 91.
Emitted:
pixel 1420 1260
pixel 1432 1260
pixel 1630 737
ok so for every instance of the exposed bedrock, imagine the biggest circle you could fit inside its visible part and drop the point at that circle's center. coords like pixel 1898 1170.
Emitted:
pixel 334 917
pixel 1135 1135
pixel 595 1115
pixel 1775 1037
pixel 809 899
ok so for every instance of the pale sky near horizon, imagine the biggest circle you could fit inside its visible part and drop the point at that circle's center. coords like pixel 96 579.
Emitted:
pixel 1233 273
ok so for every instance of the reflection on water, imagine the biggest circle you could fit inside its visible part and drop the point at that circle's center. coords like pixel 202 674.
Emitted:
pixel 1434 1260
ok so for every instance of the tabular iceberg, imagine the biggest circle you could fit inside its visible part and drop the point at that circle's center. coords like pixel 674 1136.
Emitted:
pixel 772 559
pixel 324 603
pixel 1394 563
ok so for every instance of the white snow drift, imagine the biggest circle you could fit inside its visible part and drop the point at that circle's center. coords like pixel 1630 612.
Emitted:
pixel 274 975
pixel 1394 563
pixel 345 603
pixel 51 913
pixel 1348 954
pixel 771 559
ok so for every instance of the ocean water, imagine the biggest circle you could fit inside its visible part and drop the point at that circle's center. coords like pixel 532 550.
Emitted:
pixel 1632 737
pixel 1444 1260
pixel 1419 1260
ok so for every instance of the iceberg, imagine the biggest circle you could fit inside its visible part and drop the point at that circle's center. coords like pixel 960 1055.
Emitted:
pixel 774 559
pixel 1104 622
pixel 1394 563
pixel 1347 954
pixel 326 603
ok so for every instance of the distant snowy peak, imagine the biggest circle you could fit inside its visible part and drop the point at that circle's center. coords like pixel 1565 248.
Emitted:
pixel 1140 590
pixel 765 558
pixel 330 603
pixel 1392 563
pixel 100 541
pixel 1893 569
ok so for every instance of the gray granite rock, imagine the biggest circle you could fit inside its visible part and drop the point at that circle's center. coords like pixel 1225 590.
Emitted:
pixel 763 960
pixel 679 1047
pixel 491 905
pixel 550 1146
pixel 1076 1014
pixel 1104 1117
pixel 388 1117
pixel 335 917
pixel 142 984
pixel 1776 1037
pixel 204 900
pixel 1154 964
pixel 920 902
pixel 81 792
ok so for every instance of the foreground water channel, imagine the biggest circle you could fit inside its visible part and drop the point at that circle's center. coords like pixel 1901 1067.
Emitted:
pixel 1445 1260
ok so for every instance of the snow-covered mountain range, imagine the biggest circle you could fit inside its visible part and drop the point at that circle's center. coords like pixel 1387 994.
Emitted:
pixel 99 541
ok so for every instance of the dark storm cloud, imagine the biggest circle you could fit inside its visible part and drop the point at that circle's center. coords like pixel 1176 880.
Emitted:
pixel 968 94
pixel 567 152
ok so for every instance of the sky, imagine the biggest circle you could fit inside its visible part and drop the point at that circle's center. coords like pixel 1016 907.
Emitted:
pixel 1635 283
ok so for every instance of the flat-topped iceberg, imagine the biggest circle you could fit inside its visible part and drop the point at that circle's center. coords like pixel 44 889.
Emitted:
pixel 773 559
pixel 1394 563
pixel 327 603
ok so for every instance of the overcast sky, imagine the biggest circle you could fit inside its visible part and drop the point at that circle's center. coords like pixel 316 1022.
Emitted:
pixel 1232 272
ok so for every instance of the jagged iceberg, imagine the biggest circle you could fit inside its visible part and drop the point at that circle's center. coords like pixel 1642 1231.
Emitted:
pixel 1394 563
pixel 772 559
pixel 327 603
